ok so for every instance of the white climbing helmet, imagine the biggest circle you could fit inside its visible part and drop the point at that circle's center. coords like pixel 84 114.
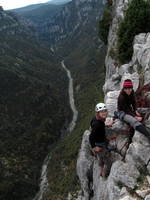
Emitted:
pixel 100 107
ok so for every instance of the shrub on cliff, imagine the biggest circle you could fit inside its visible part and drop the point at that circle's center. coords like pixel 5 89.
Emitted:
pixel 136 20
pixel 105 22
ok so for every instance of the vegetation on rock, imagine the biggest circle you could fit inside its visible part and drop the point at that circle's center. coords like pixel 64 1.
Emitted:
pixel 105 22
pixel 136 20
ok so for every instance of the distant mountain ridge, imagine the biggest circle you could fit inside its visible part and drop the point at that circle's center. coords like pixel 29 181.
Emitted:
pixel 40 14
pixel 35 6
pixel 27 8
pixel 58 22
pixel 58 2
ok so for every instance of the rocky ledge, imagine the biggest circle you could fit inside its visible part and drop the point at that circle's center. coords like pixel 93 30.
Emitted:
pixel 129 177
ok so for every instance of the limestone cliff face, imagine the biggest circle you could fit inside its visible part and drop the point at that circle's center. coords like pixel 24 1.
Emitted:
pixel 111 63
pixel 138 68
pixel 141 44
pixel 129 177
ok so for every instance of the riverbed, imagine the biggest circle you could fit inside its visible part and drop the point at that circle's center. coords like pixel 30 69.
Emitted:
pixel 72 124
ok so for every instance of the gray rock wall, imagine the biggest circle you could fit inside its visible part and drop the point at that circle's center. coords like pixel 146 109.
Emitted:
pixel 139 66
pixel 129 178
pixel 85 166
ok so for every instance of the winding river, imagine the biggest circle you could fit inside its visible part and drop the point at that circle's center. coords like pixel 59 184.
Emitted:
pixel 71 99
pixel 44 181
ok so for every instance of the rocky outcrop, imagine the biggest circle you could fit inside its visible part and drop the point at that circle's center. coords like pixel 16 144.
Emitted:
pixel 137 69
pixel 140 62
pixel 85 166
pixel 126 177
pixel 111 62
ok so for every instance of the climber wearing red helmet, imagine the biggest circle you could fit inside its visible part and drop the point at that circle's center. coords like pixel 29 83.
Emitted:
pixel 127 110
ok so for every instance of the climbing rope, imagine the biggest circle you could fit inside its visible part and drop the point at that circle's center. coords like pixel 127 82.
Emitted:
pixel 115 149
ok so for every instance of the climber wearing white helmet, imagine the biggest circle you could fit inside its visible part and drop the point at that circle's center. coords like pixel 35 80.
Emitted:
pixel 100 107
pixel 98 139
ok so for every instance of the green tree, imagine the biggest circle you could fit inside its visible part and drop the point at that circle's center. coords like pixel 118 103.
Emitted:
pixel 136 20
pixel 105 22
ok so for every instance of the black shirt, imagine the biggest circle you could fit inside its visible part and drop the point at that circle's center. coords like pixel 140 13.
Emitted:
pixel 127 103
pixel 98 132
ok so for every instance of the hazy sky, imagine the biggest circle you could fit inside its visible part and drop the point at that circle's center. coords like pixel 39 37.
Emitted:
pixel 10 4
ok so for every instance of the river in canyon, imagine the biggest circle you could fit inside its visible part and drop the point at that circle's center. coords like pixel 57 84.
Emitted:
pixel 43 180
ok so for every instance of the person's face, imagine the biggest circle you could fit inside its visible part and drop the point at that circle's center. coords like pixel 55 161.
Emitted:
pixel 103 114
pixel 128 90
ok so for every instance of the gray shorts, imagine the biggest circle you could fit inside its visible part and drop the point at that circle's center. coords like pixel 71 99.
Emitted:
pixel 103 157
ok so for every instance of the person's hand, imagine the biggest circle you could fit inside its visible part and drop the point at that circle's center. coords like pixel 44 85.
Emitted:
pixel 138 118
pixel 97 149
pixel 109 123
pixel 137 113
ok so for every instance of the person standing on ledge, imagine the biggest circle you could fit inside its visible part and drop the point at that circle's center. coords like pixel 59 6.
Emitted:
pixel 127 110
pixel 98 140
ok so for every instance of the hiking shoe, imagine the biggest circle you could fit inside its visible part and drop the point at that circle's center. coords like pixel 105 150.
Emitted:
pixel 116 116
pixel 119 114
pixel 141 128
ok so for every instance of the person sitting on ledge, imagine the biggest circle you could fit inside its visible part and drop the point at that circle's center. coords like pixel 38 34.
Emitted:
pixel 127 110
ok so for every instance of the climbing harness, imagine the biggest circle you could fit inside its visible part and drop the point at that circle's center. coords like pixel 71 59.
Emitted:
pixel 126 144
